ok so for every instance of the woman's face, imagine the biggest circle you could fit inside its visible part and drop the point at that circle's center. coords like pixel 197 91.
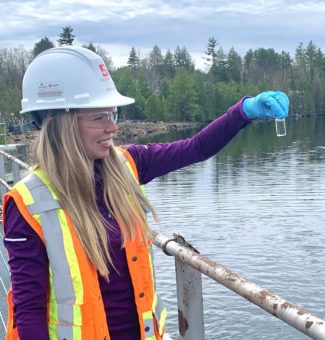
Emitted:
pixel 96 128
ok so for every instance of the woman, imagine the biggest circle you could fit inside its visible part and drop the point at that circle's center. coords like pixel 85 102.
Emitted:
pixel 75 228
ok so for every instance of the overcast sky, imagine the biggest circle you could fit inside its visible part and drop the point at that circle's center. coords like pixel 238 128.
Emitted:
pixel 119 25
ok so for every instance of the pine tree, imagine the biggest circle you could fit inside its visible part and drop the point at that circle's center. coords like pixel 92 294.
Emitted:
pixel 66 37
pixel 156 68
pixel 169 65
pixel 212 59
pixel 183 59
pixel 234 65
pixel 211 51
pixel 134 60
pixel 300 54
pixel 42 45
pixel 90 46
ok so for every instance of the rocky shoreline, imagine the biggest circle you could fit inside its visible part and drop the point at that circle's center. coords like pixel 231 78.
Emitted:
pixel 129 131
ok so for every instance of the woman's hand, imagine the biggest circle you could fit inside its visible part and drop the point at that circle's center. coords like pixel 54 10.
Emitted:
pixel 270 104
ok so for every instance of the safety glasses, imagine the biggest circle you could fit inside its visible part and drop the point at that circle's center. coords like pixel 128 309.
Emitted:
pixel 98 120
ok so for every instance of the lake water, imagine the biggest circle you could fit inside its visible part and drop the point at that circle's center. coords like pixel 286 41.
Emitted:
pixel 257 208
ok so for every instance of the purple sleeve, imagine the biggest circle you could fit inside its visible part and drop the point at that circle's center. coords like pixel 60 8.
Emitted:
pixel 154 160
pixel 28 264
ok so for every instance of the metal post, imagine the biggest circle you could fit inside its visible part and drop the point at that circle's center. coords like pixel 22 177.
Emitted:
pixel 190 302
pixel 3 189
pixel 15 172
pixel 4 132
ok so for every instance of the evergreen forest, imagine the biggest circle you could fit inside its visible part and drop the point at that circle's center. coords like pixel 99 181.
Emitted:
pixel 168 86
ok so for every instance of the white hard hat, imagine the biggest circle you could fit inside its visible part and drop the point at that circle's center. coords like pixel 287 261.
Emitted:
pixel 69 78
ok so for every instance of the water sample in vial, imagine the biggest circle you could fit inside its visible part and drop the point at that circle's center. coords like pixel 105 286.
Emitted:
pixel 280 127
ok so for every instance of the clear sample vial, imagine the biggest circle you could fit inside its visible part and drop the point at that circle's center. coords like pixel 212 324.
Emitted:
pixel 280 127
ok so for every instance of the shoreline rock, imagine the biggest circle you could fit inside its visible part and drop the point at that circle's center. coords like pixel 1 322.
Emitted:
pixel 131 131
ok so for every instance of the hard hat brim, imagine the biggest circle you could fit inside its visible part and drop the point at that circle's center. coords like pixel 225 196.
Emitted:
pixel 118 100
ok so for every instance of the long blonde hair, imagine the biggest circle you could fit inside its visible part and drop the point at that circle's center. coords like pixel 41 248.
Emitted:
pixel 60 154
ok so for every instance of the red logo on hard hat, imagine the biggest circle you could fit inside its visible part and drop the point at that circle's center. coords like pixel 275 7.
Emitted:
pixel 103 69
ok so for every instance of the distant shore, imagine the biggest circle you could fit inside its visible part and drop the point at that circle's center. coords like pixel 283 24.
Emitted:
pixel 129 131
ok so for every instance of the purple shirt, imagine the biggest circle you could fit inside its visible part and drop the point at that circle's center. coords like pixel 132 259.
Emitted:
pixel 28 260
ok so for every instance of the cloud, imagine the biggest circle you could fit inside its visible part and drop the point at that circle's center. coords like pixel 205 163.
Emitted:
pixel 167 23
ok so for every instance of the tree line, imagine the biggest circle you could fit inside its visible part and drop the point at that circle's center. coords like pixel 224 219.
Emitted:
pixel 168 87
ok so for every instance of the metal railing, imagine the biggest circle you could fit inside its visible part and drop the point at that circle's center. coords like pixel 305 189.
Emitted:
pixel 14 173
pixel 189 266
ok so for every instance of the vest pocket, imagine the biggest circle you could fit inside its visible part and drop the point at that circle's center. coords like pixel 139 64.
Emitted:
pixel 70 322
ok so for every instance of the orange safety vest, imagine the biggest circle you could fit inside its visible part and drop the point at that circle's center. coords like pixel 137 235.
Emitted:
pixel 75 307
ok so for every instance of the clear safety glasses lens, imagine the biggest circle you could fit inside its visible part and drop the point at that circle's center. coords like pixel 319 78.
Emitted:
pixel 99 120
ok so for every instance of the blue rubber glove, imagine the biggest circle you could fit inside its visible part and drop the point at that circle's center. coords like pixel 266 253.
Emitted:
pixel 270 104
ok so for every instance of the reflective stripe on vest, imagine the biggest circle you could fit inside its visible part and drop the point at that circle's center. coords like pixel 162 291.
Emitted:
pixel 158 306
pixel 66 288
